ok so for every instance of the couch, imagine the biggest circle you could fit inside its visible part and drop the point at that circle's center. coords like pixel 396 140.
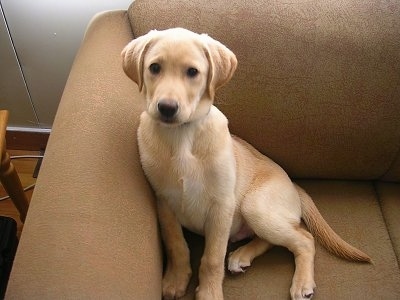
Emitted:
pixel 317 89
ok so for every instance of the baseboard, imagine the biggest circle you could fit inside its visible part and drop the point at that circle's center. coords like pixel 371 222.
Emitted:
pixel 27 138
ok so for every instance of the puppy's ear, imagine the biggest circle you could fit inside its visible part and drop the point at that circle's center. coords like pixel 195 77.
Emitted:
pixel 133 57
pixel 222 64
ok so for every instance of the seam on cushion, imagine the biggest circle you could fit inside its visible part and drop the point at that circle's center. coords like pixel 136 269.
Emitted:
pixel 379 199
pixel 128 17
pixel 129 12
pixel 396 158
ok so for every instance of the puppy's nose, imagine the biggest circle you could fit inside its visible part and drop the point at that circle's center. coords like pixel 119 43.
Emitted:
pixel 167 108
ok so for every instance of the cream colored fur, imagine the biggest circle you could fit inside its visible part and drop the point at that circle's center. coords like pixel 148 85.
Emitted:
pixel 211 182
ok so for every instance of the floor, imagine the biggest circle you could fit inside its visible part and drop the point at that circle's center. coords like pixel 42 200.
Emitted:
pixel 25 169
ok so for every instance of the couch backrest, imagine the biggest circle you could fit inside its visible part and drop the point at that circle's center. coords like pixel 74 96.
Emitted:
pixel 318 82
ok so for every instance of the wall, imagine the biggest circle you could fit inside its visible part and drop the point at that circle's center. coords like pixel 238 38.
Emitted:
pixel 34 67
pixel 13 92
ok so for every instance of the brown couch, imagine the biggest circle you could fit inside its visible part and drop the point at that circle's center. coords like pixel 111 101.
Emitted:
pixel 317 89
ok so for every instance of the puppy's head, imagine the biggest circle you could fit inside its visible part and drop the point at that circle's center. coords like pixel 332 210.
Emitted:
pixel 179 72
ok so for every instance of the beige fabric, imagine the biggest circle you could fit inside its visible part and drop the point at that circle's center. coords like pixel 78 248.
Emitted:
pixel 393 173
pixel 317 82
pixel 91 232
pixel 389 195
pixel 316 89
pixel 352 209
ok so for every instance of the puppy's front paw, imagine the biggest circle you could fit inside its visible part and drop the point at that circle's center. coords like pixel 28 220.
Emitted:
pixel 175 282
pixel 209 293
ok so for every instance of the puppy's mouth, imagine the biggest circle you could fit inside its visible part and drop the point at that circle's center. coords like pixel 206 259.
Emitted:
pixel 168 121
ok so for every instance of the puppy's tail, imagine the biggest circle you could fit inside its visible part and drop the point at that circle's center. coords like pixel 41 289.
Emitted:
pixel 325 234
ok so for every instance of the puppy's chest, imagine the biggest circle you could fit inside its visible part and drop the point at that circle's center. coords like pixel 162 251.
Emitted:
pixel 180 177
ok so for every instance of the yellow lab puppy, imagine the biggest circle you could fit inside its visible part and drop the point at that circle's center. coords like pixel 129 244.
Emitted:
pixel 209 181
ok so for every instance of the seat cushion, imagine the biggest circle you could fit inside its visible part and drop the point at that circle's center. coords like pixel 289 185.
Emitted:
pixel 353 210
pixel 389 196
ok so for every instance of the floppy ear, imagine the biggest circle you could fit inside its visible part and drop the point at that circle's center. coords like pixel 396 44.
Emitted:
pixel 133 57
pixel 222 64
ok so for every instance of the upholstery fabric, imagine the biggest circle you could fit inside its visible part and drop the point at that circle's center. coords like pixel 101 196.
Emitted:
pixel 353 211
pixel 324 74
pixel 388 194
pixel 317 89
pixel 91 230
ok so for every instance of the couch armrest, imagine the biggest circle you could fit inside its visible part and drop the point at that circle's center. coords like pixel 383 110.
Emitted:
pixel 91 230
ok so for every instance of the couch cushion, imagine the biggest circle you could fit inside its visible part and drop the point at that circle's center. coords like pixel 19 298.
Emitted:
pixel 353 211
pixel 317 83
pixel 389 196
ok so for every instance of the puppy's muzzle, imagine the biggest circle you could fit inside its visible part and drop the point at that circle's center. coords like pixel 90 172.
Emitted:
pixel 168 109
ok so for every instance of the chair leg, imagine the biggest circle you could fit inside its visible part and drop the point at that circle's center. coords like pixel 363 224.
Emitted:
pixel 12 184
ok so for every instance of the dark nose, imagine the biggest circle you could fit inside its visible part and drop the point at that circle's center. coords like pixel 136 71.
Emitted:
pixel 167 108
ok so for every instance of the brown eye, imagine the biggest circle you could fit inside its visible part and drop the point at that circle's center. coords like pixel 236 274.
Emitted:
pixel 155 69
pixel 192 72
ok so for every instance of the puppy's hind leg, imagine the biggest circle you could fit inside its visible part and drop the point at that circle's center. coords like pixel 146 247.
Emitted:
pixel 273 220
pixel 241 258
pixel 304 251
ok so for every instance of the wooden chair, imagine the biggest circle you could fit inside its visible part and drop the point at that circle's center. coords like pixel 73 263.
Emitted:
pixel 8 176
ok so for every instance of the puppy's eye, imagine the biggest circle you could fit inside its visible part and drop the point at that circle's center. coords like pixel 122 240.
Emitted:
pixel 155 69
pixel 192 72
